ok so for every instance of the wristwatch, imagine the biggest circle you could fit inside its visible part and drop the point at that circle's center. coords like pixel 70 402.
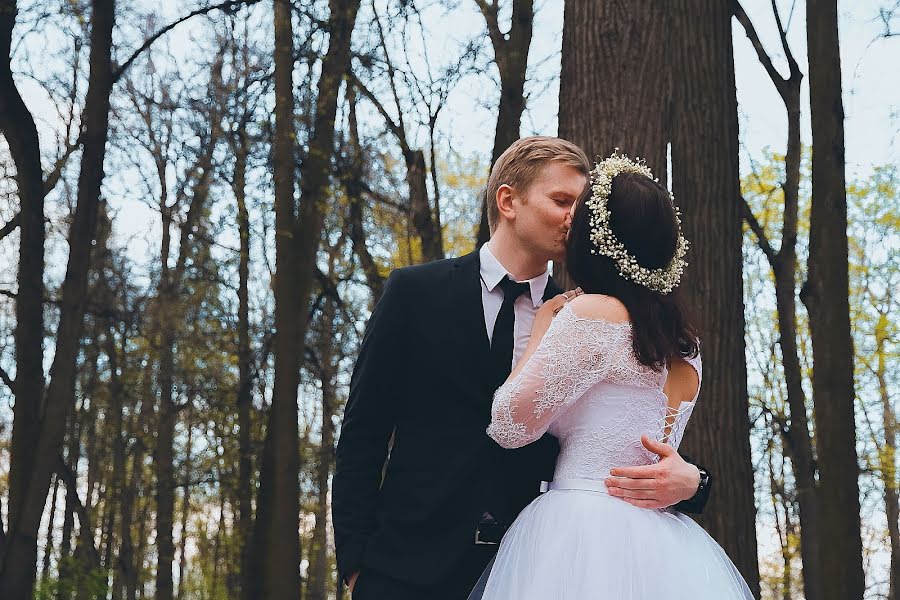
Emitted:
pixel 704 483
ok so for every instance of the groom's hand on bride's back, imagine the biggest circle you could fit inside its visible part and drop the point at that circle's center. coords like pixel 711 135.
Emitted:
pixel 664 484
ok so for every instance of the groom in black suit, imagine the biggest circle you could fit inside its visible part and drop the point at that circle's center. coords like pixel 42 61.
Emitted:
pixel 421 494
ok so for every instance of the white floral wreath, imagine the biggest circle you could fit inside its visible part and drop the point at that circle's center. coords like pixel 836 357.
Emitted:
pixel 662 280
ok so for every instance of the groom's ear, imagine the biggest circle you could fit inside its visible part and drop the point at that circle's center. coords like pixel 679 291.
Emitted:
pixel 504 200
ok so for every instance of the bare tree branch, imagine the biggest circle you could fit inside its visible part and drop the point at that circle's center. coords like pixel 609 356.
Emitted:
pixel 9 381
pixel 738 11
pixel 226 6
pixel 9 227
pixel 762 239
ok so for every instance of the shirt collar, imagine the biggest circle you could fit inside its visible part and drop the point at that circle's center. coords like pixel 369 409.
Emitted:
pixel 493 272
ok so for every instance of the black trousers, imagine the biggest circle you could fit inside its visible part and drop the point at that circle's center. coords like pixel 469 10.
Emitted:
pixel 372 585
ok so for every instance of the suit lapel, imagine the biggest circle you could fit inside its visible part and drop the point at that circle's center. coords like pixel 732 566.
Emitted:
pixel 474 343
pixel 551 289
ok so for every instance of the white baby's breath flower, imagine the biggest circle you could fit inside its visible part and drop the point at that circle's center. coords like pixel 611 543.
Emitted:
pixel 662 280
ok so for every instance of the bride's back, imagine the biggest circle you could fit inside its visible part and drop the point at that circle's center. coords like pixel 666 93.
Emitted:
pixel 603 428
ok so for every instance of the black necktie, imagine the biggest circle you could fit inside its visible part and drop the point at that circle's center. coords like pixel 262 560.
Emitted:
pixel 502 338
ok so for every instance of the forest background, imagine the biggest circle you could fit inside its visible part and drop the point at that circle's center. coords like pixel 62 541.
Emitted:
pixel 160 162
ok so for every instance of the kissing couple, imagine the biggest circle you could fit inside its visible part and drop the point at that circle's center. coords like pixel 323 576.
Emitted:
pixel 506 439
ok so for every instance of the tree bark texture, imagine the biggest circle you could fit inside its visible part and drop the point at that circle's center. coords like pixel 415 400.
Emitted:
pixel 276 538
pixel 614 87
pixel 17 573
pixel 511 56
pixel 826 296
pixel 18 128
pixel 706 185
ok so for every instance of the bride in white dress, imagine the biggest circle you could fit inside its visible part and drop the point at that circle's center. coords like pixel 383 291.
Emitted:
pixel 595 378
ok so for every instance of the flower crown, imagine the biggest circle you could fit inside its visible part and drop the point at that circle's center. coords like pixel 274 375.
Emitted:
pixel 662 280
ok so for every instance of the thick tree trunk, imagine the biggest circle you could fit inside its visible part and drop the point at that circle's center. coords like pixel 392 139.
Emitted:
pixel 17 126
pixel 511 55
pixel 18 569
pixel 706 184
pixel 826 296
pixel 276 541
pixel 613 53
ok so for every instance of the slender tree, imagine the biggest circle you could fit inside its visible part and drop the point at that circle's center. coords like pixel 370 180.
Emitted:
pixel 276 541
pixel 17 571
pixel 826 296
pixel 511 57
pixel 18 127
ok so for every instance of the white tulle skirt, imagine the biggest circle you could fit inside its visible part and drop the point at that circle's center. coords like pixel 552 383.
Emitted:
pixel 572 544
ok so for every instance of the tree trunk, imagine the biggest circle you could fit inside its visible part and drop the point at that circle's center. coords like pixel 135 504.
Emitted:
pixel 245 366
pixel 276 541
pixel 18 128
pixel 64 570
pixel 614 52
pixel 420 208
pixel 354 183
pixel 131 558
pixel 798 443
pixel 117 407
pixel 826 296
pixel 171 311
pixel 18 569
pixel 48 547
pixel 706 184
pixel 511 56
pixel 326 351
pixel 888 459
pixel 185 512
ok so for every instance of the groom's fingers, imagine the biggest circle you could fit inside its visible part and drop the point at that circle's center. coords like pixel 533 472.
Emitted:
pixel 631 484
pixel 640 472
pixel 644 503
pixel 635 494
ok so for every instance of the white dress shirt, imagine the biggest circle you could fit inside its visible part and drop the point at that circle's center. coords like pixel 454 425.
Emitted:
pixel 492 273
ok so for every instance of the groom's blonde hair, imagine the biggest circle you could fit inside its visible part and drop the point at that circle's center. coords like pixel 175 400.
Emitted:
pixel 522 162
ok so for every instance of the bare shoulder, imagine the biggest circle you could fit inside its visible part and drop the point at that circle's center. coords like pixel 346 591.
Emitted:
pixel 598 306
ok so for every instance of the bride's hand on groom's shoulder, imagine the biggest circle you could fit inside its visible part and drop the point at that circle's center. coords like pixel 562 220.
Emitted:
pixel 661 485
pixel 549 309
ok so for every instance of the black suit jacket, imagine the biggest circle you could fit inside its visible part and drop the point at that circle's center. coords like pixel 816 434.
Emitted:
pixel 422 386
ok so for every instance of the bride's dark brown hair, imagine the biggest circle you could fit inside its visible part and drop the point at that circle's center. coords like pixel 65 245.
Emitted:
pixel 643 219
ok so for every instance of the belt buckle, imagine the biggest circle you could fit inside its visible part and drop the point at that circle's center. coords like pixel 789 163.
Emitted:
pixel 489 531
pixel 480 542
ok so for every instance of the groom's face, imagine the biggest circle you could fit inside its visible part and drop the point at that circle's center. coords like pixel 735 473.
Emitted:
pixel 544 215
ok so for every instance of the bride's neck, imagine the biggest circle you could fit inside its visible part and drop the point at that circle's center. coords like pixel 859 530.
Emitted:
pixel 515 257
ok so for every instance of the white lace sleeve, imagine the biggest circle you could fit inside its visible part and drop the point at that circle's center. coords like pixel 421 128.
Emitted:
pixel 574 354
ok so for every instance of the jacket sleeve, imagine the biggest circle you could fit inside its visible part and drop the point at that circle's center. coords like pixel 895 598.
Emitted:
pixel 696 503
pixel 369 420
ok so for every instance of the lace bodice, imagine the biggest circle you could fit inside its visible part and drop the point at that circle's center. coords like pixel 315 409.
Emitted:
pixel 585 386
